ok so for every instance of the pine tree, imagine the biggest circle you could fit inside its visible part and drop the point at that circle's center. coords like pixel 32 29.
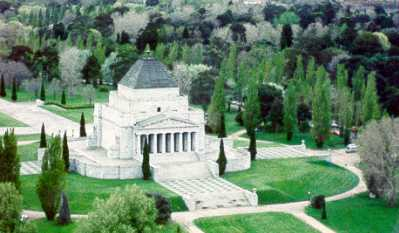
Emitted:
pixel 92 71
pixel 217 105
pixel 222 131
pixel 42 92
pixel 82 125
pixel 370 106
pixel 3 92
pixel 9 159
pixel 160 52
pixel 146 162
pixel 222 160
pixel 186 55
pixel 286 37
pixel 63 98
pixel 43 140
pixel 52 179
pixel 252 114
pixel 65 152
pixel 290 111
pixel 14 96
pixel 321 108
pixel 173 53
pixel 64 215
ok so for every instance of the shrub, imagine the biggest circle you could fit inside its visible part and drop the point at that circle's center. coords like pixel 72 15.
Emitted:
pixel 318 202
pixel 10 207
pixel 163 206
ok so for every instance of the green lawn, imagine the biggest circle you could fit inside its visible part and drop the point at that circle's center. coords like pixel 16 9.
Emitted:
pixel 254 223
pixel 28 137
pixel 231 125
pixel 288 180
pixel 359 214
pixel 7 121
pixel 71 114
pixel 45 226
pixel 28 152
pixel 241 143
pixel 334 141
pixel 82 191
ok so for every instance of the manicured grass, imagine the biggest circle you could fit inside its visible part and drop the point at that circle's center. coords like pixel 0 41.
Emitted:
pixel 28 137
pixel 254 223
pixel 82 192
pixel 240 143
pixel 333 142
pixel 45 226
pixel 359 214
pixel 28 152
pixel 231 125
pixel 71 114
pixel 7 121
pixel 288 180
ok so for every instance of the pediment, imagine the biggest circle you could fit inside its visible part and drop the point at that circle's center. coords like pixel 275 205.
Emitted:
pixel 165 122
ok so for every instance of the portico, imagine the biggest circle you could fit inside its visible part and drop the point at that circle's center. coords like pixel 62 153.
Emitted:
pixel 168 142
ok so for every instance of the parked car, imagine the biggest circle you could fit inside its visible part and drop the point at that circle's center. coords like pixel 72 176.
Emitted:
pixel 351 148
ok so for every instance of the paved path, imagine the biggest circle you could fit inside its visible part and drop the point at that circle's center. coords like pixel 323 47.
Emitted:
pixel 33 116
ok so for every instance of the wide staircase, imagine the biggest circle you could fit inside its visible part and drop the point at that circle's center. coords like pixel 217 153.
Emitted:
pixel 197 182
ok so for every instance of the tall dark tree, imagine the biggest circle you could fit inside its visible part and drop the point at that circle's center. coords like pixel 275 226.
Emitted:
pixel 82 125
pixel 146 169
pixel 222 130
pixel 92 71
pixel 286 37
pixel 64 215
pixel 9 159
pixel 222 160
pixel 65 152
pixel 43 140
pixel 42 92
pixel 14 96
pixel 251 115
pixel 3 92
pixel 63 98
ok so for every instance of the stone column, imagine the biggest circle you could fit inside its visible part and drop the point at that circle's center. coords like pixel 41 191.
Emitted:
pixel 189 148
pixel 155 144
pixel 180 142
pixel 163 150
pixel 172 144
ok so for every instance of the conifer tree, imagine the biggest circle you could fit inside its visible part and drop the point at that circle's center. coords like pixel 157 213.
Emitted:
pixel 14 96
pixel 146 169
pixel 64 215
pixel 42 92
pixel 92 71
pixel 370 106
pixel 286 37
pixel 3 92
pixel 252 114
pixel 290 111
pixel 9 159
pixel 321 108
pixel 222 131
pixel 222 160
pixel 63 98
pixel 217 105
pixel 160 52
pixel 65 152
pixel 82 125
pixel 52 179
pixel 43 140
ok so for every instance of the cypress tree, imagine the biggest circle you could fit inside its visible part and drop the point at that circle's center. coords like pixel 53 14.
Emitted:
pixel 65 152
pixel 146 162
pixel 64 215
pixel 14 96
pixel 9 159
pixel 251 114
pixel 42 92
pixel 222 160
pixel 290 111
pixel 286 37
pixel 370 106
pixel 217 105
pixel 82 125
pixel 222 131
pixel 63 98
pixel 43 140
pixel 3 92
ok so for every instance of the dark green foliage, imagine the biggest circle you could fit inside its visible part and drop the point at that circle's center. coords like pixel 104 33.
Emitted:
pixel 163 206
pixel 367 44
pixel 43 140
pixel 11 208
pixel 290 111
pixel 42 92
pixel 239 118
pixel 222 130
pixel 252 144
pixel 9 159
pixel 251 115
pixel 63 98
pixel 64 216
pixel 92 71
pixel 304 116
pixel 14 96
pixel 318 202
pixel 146 169
pixel 82 131
pixel 286 37
pixel 3 92
pixel 52 180
pixel 65 152
pixel 222 160
pixel 324 212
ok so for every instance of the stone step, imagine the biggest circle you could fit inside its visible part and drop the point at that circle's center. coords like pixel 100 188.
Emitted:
pixel 182 171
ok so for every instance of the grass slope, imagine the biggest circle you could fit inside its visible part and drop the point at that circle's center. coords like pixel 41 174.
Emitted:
pixel 7 121
pixel 82 191
pixel 359 214
pixel 28 152
pixel 288 180
pixel 71 114
pixel 254 223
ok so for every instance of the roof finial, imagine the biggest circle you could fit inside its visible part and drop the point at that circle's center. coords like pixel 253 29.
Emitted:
pixel 147 52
